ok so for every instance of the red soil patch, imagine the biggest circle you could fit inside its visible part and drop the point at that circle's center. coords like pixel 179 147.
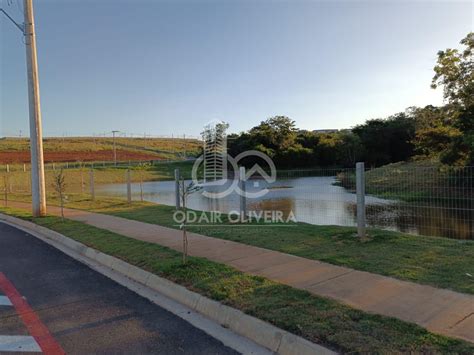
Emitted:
pixel 71 156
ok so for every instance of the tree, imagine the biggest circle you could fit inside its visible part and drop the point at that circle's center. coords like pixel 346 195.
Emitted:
pixel 81 173
pixel 351 149
pixel 387 140
pixel 276 137
pixel 141 168
pixel 326 150
pixel 185 191
pixel 454 71
pixel 59 185
pixel 434 132
pixel 277 133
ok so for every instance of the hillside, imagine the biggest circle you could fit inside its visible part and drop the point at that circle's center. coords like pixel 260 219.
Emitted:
pixel 16 150
pixel 416 181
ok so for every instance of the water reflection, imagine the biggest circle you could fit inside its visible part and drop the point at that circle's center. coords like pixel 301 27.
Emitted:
pixel 317 200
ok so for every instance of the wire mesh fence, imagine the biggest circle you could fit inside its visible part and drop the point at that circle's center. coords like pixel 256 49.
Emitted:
pixel 92 164
pixel 425 200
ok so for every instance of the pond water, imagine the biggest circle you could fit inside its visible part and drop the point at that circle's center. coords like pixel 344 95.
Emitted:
pixel 315 200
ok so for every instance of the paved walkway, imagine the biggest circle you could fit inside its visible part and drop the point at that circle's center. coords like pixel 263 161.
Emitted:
pixel 439 310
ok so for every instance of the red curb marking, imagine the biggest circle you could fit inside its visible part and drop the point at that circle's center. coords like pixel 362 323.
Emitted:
pixel 37 329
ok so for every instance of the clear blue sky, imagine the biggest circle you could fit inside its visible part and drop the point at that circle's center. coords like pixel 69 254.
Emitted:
pixel 168 67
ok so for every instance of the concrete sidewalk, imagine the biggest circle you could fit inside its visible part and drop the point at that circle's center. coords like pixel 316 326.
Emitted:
pixel 439 310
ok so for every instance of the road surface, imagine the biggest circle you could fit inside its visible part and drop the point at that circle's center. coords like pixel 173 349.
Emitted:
pixel 51 301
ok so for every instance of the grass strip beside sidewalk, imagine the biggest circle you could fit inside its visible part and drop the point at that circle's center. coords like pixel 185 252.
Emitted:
pixel 439 262
pixel 315 318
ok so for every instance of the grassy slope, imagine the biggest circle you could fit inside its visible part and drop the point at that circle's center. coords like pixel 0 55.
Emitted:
pixel 315 318
pixel 89 144
pixel 415 181
pixel 441 262
pixel 161 147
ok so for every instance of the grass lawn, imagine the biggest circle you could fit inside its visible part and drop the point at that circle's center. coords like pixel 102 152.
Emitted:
pixel 315 318
pixel 19 181
pixel 440 262
pixel 420 181
pixel 163 146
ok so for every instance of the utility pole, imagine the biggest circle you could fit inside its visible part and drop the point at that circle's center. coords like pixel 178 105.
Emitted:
pixel 115 150
pixel 38 189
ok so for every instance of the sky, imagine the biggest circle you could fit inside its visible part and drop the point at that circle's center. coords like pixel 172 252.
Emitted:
pixel 170 67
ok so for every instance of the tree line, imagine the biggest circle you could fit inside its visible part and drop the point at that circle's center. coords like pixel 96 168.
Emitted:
pixel 444 133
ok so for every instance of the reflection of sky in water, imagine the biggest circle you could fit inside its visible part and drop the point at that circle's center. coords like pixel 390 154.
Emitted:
pixel 314 200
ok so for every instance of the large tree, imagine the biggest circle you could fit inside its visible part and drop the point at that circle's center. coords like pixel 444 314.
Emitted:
pixel 387 140
pixel 276 133
pixel 434 131
pixel 454 71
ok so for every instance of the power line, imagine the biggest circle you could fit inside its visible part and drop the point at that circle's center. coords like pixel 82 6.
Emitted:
pixel 21 27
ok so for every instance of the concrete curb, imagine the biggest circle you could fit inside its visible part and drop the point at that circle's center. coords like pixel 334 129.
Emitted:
pixel 275 339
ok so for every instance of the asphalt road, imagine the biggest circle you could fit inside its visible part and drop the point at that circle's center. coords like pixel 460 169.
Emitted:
pixel 85 312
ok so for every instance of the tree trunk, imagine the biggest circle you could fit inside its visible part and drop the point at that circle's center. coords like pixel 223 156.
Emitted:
pixel 62 206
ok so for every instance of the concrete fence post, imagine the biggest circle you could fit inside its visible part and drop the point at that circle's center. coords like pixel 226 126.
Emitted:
pixel 176 188
pixel 360 190
pixel 30 182
pixel 8 168
pixel 91 176
pixel 5 185
pixel 24 168
pixel 129 186
pixel 243 197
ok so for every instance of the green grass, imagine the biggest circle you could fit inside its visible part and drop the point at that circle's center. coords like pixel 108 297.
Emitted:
pixel 314 318
pixel 420 181
pixel 170 146
pixel 440 262
pixel 19 181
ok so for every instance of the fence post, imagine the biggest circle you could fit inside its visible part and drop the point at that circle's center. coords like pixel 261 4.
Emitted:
pixel 8 168
pixel 5 183
pixel 30 183
pixel 176 188
pixel 360 190
pixel 91 176
pixel 129 187
pixel 243 197
pixel 24 168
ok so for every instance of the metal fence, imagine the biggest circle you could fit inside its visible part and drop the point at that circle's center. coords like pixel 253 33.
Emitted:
pixel 425 200
pixel 416 198
pixel 92 164
pixel 413 198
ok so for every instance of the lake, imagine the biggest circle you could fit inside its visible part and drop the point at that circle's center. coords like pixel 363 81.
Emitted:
pixel 316 200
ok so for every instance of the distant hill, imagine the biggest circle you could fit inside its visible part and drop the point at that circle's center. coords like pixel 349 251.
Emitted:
pixel 17 150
